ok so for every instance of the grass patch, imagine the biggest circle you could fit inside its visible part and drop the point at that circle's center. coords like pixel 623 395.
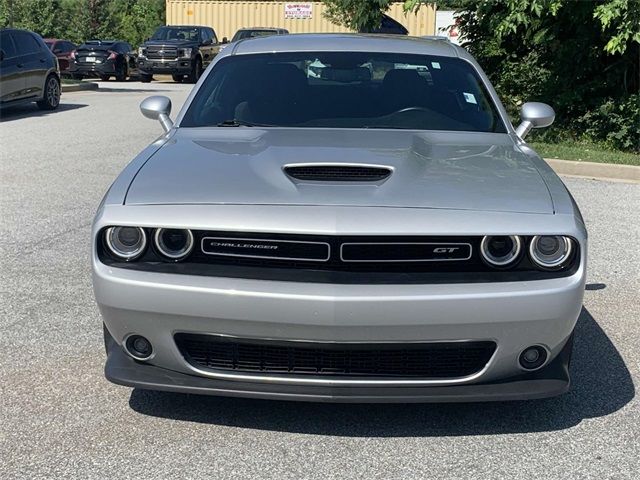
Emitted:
pixel 585 152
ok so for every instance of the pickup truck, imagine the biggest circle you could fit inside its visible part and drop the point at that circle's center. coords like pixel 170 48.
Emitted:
pixel 179 50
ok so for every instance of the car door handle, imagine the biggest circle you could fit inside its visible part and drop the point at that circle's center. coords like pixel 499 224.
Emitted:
pixel 19 65
pixel 42 60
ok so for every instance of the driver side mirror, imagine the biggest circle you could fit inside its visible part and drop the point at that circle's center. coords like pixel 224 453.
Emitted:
pixel 208 41
pixel 158 108
pixel 225 40
pixel 534 115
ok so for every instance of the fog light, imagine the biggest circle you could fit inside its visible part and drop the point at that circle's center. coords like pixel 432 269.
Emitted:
pixel 138 347
pixel 533 357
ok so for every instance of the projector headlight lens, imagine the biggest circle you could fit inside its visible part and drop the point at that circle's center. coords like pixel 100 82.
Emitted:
pixel 126 243
pixel 550 251
pixel 500 251
pixel 174 243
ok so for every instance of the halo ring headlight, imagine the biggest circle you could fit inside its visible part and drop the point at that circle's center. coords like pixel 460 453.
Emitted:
pixel 174 243
pixel 500 251
pixel 550 251
pixel 126 243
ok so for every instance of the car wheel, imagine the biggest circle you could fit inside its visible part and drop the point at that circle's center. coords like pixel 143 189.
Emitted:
pixel 178 78
pixel 196 71
pixel 105 78
pixel 144 78
pixel 51 98
pixel 122 73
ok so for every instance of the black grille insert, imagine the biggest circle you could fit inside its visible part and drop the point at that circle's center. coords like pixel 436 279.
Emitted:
pixel 421 360
pixel 338 173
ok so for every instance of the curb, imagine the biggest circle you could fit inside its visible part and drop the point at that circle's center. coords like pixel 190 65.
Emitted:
pixel 79 87
pixel 601 171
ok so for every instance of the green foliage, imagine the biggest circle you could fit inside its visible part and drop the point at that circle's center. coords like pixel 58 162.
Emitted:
pixel 358 15
pixel 80 20
pixel 580 57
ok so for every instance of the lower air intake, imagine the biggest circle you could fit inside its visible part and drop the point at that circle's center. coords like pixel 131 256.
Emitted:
pixel 421 360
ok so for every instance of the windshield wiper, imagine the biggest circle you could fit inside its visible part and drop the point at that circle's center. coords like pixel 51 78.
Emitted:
pixel 238 123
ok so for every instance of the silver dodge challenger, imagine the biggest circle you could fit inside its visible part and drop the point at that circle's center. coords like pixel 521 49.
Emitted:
pixel 341 218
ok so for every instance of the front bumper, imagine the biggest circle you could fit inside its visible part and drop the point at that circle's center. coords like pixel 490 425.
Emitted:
pixel 181 66
pixel 515 315
pixel 552 380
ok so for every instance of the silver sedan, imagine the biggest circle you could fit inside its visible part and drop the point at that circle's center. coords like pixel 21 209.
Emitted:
pixel 341 218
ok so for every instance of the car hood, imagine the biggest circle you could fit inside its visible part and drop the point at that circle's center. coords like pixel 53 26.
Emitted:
pixel 172 43
pixel 244 165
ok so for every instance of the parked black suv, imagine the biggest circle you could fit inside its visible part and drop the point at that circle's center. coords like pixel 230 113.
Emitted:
pixel 178 50
pixel 28 70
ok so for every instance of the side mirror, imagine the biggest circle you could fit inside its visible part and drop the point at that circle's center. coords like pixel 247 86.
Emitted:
pixel 57 50
pixel 208 41
pixel 534 115
pixel 225 40
pixel 158 108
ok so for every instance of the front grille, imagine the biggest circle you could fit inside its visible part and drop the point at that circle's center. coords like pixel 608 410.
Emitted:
pixel 338 173
pixel 421 360
pixel 162 53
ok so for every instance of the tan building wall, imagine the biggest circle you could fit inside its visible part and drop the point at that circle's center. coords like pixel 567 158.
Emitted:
pixel 226 17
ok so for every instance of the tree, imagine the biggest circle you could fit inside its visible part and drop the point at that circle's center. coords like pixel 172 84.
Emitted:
pixel 581 57
pixel 358 15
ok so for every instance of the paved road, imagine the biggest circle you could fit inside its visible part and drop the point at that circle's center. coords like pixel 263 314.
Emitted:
pixel 59 418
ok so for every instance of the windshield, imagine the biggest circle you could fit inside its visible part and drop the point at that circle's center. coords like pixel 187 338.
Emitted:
pixel 344 90
pixel 176 33
pixel 241 34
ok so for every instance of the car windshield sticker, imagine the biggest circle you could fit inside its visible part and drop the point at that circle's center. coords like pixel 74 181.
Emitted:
pixel 435 65
pixel 470 97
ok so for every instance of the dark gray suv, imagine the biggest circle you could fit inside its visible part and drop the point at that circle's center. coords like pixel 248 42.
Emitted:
pixel 28 70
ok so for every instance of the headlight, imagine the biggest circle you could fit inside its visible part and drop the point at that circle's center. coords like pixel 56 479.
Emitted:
pixel 142 52
pixel 186 52
pixel 500 251
pixel 126 243
pixel 550 251
pixel 173 243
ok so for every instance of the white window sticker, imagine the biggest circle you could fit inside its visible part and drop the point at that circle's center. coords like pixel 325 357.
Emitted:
pixel 470 97
pixel 435 65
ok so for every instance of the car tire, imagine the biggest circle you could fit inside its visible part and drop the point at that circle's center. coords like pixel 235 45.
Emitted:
pixel 122 73
pixel 105 78
pixel 51 97
pixel 196 70
pixel 144 78
pixel 178 78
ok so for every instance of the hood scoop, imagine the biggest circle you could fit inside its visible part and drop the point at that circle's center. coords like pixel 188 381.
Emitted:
pixel 337 172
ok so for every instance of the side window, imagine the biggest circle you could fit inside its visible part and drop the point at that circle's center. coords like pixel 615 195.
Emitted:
pixel 127 48
pixel 213 35
pixel 6 45
pixel 25 43
pixel 69 47
pixel 203 35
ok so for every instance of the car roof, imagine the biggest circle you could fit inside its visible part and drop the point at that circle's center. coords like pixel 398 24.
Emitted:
pixel 349 42
pixel 260 28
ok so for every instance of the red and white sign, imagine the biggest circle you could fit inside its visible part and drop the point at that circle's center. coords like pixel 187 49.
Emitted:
pixel 298 10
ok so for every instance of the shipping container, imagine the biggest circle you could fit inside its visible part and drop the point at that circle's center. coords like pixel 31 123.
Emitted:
pixel 226 17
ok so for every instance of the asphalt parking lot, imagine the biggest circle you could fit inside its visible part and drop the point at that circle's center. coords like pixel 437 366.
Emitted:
pixel 59 417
